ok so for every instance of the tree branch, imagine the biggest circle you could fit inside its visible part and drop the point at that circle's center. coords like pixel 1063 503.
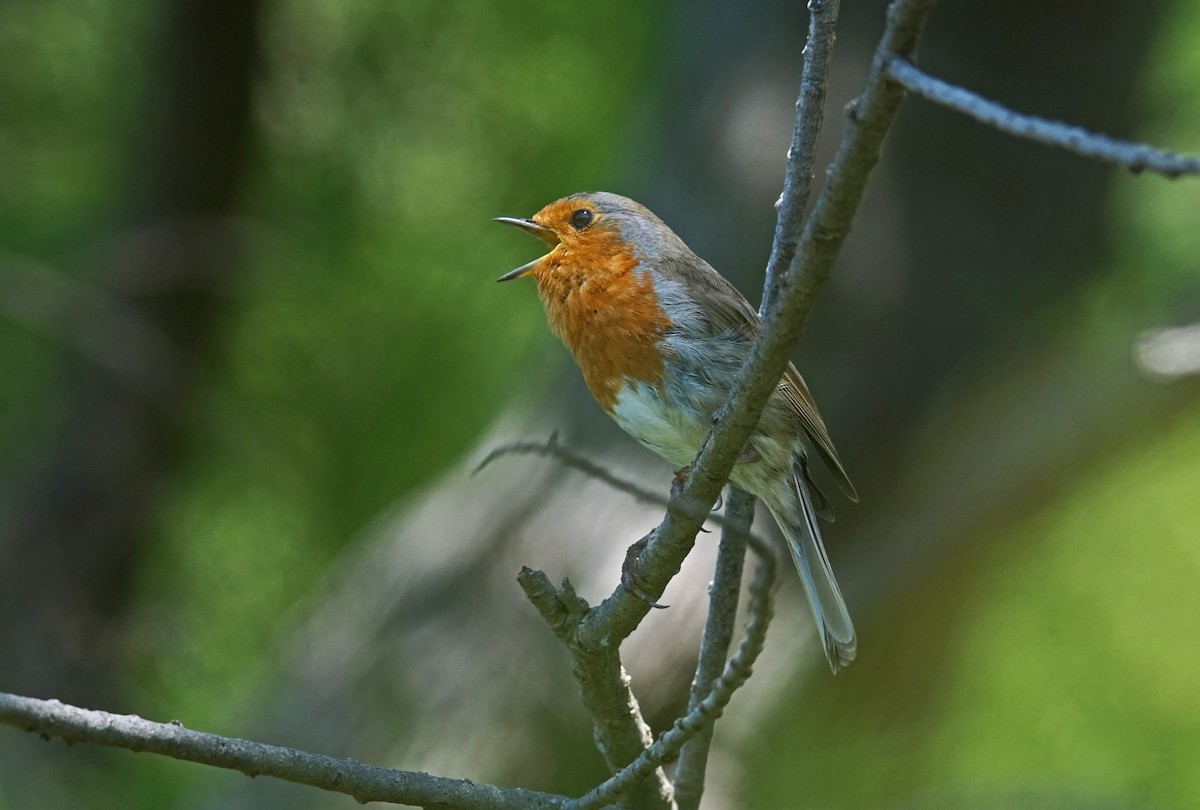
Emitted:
pixel 714 645
pixel 607 697
pixel 365 783
pixel 802 154
pixel 1136 157
pixel 575 461
pixel 621 734
pixel 569 458
pixel 761 609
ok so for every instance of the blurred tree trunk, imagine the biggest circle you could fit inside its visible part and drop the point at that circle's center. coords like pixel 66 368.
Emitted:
pixel 70 555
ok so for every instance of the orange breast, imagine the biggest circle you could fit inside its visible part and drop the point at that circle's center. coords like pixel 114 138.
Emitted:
pixel 607 315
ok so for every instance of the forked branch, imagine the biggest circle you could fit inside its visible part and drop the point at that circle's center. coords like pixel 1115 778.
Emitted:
pixel 761 609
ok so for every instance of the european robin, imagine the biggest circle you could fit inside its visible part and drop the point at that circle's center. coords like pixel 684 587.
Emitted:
pixel 660 336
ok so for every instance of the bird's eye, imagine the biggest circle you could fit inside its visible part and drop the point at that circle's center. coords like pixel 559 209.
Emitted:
pixel 581 218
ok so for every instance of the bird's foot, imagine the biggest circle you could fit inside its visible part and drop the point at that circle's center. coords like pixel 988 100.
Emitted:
pixel 629 576
pixel 681 476
pixel 688 507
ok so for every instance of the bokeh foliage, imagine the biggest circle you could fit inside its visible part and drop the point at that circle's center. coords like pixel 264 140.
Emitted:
pixel 1051 666
pixel 72 77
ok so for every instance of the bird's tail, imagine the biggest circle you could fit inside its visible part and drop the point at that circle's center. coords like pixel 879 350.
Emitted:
pixel 797 518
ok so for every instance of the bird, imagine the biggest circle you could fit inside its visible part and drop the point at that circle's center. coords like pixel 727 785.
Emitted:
pixel 660 336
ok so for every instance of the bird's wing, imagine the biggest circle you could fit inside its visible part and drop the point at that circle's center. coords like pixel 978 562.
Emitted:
pixel 728 309
pixel 795 391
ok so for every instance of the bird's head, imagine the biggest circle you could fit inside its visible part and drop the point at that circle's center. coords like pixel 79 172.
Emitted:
pixel 593 232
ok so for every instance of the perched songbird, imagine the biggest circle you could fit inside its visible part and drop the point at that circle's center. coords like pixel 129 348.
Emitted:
pixel 660 336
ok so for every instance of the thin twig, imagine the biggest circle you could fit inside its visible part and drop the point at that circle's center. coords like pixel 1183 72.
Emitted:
pixel 569 458
pixel 714 644
pixel 1137 157
pixel 761 609
pixel 575 461
pixel 802 154
pixel 365 783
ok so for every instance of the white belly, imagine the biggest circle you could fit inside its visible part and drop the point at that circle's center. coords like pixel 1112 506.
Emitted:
pixel 677 433
pixel 673 434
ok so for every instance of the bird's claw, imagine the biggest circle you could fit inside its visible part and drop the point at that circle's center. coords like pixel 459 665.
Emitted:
pixel 677 499
pixel 679 480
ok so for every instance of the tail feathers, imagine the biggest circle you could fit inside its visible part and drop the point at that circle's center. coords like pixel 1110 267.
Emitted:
pixel 798 521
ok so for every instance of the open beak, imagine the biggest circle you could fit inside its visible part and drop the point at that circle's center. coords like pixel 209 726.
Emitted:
pixel 529 226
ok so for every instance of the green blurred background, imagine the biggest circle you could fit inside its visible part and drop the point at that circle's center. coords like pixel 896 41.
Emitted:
pixel 251 348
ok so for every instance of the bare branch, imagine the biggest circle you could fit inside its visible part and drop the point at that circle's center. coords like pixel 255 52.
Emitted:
pixel 562 610
pixel 365 783
pixel 802 154
pixel 761 609
pixel 575 461
pixel 1136 157
pixel 621 733
pixel 714 645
